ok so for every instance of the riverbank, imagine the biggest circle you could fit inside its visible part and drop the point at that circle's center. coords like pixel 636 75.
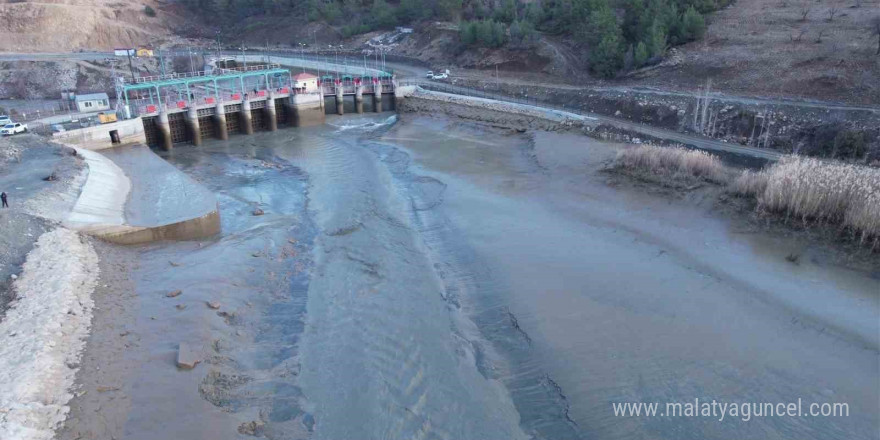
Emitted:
pixel 584 278
pixel 490 281
pixel 67 277
pixel 36 203
pixel 43 333
pixel 520 118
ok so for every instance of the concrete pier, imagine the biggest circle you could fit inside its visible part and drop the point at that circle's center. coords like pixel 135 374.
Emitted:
pixel 164 130
pixel 192 122
pixel 359 98
pixel 306 110
pixel 246 126
pixel 399 95
pixel 340 101
pixel 377 97
pixel 271 113
pixel 290 110
pixel 220 121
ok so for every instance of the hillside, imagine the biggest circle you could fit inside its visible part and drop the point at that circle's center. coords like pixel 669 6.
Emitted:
pixel 766 47
pixel 782 48
pixel 69 25
pixel 777 48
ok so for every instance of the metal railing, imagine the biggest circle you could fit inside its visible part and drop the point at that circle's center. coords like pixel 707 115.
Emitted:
pixel 254 68
pixel 142 107
pixel 153 78
pixel 200 73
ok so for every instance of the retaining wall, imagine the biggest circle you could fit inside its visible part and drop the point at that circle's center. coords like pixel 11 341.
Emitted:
pixel 98 137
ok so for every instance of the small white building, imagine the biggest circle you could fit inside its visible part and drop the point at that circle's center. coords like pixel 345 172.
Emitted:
pixel 305 82
pixel 92 102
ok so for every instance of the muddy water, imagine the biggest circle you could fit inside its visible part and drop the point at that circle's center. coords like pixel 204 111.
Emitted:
pixel 429 279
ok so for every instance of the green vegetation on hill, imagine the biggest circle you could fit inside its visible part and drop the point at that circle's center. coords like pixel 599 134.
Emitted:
pixel 615 35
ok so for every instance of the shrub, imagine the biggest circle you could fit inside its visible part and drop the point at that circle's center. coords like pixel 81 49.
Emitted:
pixel 149 11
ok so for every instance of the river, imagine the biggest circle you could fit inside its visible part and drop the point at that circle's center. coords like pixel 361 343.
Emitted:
pixel 427 278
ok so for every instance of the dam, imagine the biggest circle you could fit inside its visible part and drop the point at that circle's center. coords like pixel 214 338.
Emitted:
pixel 217 103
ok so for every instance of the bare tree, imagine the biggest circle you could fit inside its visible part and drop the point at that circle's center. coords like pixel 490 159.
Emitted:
pixel 797 38
pixel 832 11
pixel 820 35
pixel 875 30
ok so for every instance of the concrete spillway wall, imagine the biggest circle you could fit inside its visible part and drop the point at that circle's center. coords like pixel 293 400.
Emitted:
pixel 100 136
pixel 195 228
pixel 411 99
pixel 101 209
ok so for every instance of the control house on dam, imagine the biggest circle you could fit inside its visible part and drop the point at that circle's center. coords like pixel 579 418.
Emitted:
pixel 189 107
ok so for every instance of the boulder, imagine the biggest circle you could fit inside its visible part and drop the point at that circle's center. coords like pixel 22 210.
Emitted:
pixel 186 357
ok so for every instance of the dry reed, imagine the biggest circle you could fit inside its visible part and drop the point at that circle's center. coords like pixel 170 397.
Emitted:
pixel 673 162
pixel 815 190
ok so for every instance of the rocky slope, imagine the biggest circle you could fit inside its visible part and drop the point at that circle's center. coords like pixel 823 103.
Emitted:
pixel 68 25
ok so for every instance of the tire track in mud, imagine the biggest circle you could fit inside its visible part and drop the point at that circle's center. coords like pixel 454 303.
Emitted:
pixel 501 348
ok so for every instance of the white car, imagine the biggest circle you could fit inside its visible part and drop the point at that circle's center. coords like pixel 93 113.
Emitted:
pixel 4 119
pixel 430 75
pixel 13 128
pixel 440 76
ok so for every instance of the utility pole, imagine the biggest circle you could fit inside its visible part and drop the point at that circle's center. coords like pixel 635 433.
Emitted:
pixel 192 66
pixel 130 65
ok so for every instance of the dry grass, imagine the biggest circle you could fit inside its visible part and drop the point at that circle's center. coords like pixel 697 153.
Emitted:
pixel 673 162
pixel 814 190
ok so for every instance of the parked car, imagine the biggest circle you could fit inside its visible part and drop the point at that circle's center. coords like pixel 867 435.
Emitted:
pixel 430 74
pixel 440 76
pixel 13 128
pixel 4 119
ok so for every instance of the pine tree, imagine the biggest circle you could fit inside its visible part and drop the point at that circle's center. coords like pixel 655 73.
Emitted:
pixel 693 25
pixel 467 33
pixel 657 40
pixel 507 12
pixel 606 59
pixel 602 22
pixel 641 54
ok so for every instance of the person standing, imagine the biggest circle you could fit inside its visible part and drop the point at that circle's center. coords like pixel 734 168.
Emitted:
pixel 3 197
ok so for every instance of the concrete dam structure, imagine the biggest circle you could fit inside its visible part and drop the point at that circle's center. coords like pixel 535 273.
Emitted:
pixel 187 108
